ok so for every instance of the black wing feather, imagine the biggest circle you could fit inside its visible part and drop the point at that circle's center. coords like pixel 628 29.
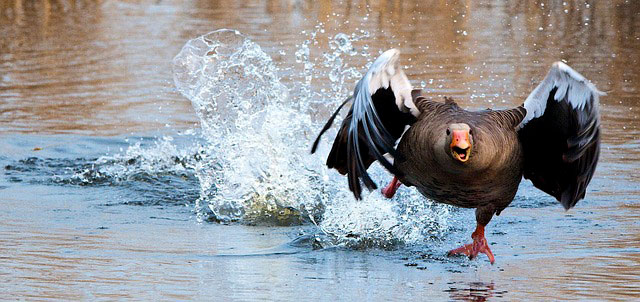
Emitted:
pixel 561 148
pixel 376 120
pixel 356 148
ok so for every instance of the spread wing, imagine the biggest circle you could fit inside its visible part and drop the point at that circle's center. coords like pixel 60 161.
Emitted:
pixel 382 106
pixel 560 134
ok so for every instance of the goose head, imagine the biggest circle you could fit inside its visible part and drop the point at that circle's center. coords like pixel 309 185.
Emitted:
pixel 460 141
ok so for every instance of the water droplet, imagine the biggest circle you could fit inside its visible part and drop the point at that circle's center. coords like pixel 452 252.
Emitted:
pixel 255 163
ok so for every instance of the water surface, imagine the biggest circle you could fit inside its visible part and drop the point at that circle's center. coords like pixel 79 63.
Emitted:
pixel 99 151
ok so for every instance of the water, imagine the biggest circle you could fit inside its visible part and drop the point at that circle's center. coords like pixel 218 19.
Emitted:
pixel 256 166
pixel 115 185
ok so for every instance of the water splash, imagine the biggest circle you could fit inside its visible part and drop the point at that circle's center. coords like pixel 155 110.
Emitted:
pixel 151 171
pixel 379 222
pixel 256 158
pixel 161 157
pixel 256 165
pixel 334 77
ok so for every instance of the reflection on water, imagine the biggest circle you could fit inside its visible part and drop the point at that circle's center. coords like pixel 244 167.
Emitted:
pixel 86 67
pixel 473 292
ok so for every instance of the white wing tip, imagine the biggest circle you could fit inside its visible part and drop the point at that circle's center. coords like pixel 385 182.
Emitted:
pixel 566 68
pixel 561 66
pixel 391 52
pixel 388 58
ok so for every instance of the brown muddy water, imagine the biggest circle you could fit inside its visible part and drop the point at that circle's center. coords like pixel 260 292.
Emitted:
pixel 98 195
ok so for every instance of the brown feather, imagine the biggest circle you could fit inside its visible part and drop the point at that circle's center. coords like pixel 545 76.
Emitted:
pixel 488 180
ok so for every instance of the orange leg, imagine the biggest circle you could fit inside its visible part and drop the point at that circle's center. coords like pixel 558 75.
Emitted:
pixel 479 245
pixel 391 188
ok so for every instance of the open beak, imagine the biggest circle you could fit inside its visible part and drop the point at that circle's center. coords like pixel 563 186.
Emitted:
pixel 460 145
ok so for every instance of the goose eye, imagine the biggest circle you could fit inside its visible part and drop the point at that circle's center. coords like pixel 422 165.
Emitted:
pixel 469 131
pixel 448 131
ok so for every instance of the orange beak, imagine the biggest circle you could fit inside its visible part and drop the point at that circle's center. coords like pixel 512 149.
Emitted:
pixel 460 145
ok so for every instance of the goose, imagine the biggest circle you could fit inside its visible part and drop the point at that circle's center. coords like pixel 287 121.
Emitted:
pixel 468 159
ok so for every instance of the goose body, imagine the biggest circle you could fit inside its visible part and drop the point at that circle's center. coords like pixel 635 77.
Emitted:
pixel 489 178
pixel 470 159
